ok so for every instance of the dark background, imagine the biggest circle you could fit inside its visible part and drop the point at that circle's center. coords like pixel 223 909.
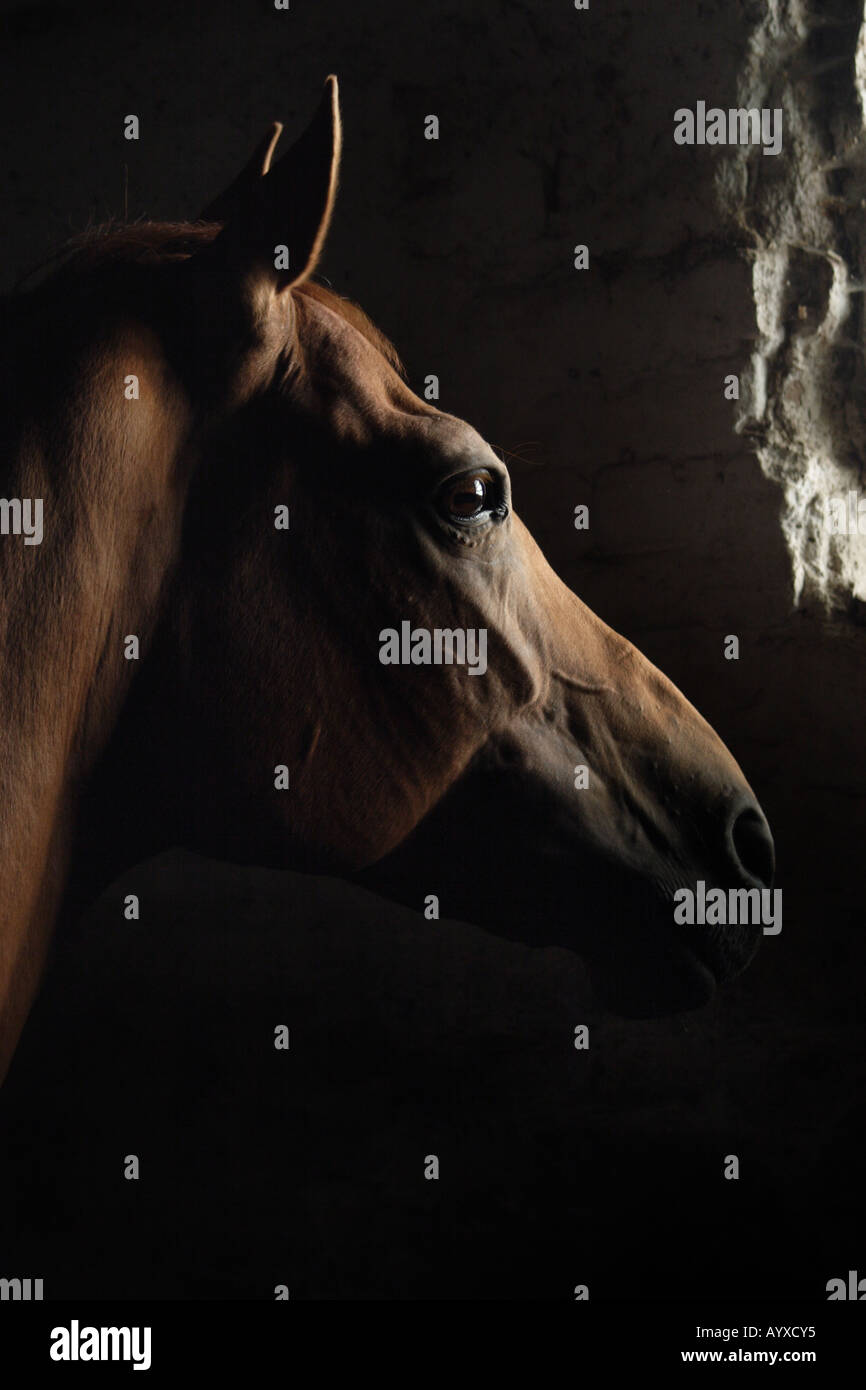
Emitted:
pixel 409 1037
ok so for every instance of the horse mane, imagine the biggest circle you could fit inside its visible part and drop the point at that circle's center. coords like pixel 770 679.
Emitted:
pixel 154 243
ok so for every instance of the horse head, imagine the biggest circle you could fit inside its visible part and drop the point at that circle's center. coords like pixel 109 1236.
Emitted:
pixel 354 657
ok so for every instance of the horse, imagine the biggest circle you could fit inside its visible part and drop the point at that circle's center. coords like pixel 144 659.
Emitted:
pixel 241 496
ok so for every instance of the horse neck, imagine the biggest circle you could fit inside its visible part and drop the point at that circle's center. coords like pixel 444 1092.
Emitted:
pixel 112 492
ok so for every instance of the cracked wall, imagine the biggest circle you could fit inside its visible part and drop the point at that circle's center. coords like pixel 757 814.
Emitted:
pixel 804 214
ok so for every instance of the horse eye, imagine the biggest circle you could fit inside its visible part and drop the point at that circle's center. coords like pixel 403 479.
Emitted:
pixel 467 498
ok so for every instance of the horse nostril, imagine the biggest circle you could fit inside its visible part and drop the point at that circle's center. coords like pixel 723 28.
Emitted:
pixel 753 846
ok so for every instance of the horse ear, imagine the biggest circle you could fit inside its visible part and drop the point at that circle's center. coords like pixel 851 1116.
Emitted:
pixel 231 200
pixel 276 219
